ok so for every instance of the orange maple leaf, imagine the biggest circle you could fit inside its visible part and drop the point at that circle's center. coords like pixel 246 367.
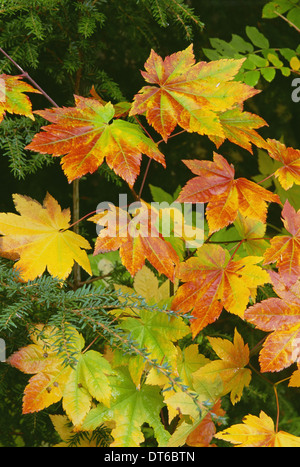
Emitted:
pixel 12 97
pixel 189 94
pixel 49 374
pixel 212 281
pixel 137 239
pixel 39 238
pixel 280 316
pixel 289 173
pixel 89 133
pixel 258 432
pixel 215 185
pixel 284 250
pixel 205 431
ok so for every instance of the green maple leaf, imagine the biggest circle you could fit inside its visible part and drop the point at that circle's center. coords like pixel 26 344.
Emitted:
pixel 88 379
pixel 130 408
pixel 154 331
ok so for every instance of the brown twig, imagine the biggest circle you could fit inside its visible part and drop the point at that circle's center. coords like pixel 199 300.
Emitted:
pixel 27 76
pixel 287 20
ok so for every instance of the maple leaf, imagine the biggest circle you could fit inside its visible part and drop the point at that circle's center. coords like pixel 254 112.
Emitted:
pixel 295 378
pixel 239 128
pixel 215 185
pixel 66 432
pixel 146 285
pixel 129 408
pixel 189 94
pixel 154 331
pixel 53 380
pixel 205 431
pixel 284 250
pixel 187 362
pixel 231 366
pixel 42 360
pixel 89 133
pixel 280 316
pixel 213 280
pixel 252 231
pixel 289 158
pixel 39 238
pixel 208 394
pixel 136 237
pixel 12 97
pixel 258 432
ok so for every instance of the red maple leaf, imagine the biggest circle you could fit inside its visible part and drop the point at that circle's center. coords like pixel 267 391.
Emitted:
pixel 215 185
pixel 281 318
pixel 284 250
pixel 213 280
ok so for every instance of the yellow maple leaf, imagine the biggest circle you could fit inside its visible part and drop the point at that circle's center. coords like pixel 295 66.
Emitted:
pixel 66 431
pixel 295 377
pixel 39 238
pixel 258 432
pixel 231 366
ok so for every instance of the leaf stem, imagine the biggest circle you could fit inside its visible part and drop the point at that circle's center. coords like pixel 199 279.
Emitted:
pixel 79 220
pixel 91 343
pixel 144 178
pixel 236 249
pixel 257 347
pixel 260 374
pixel 236 241
pixel 277 401
pixel 149 161
pixel 265 179
pixel 277 405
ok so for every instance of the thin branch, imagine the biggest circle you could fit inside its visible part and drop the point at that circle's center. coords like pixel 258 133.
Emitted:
pixel 79 220
pixel 287 20
pixel 26 75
